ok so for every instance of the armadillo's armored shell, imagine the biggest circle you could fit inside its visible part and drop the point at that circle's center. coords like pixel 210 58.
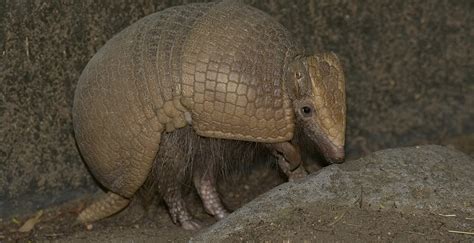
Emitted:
pixel 222 62
pixel 127 96
pixel 233 74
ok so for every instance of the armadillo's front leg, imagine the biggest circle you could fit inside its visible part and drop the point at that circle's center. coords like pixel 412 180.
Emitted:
pixel 205 184
pixel 289 160
pixel 173 198
pixel 285 166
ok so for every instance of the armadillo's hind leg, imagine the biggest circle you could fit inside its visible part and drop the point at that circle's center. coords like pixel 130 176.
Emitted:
pixel 105 206
pixel 177 207
pixel 205 184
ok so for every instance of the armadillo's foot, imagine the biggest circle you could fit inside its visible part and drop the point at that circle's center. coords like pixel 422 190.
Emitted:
pixel 206 187
pixel 177 208
pixel 298 173
pixel 289 160
pixel 105 206
pixel 191 224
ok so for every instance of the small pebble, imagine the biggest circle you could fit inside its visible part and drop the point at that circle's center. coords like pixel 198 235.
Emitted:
pixel 89 226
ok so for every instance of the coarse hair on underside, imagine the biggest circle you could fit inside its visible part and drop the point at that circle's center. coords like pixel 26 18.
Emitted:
pixel 183 153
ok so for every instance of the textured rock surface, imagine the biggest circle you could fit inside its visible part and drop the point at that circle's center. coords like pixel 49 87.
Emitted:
pixel 409 180
pixel 408 64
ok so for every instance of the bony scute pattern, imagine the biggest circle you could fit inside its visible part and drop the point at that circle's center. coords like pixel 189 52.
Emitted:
pixel 233 75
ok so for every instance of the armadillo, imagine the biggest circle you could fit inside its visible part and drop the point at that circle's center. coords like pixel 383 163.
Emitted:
pixel 222 72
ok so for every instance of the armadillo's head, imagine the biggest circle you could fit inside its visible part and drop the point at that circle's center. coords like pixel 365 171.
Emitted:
pixel 317 89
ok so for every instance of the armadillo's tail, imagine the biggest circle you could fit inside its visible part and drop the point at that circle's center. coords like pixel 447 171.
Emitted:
pixel 103 207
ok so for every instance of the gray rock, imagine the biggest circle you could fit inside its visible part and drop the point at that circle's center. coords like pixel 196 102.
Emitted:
pixel 406 180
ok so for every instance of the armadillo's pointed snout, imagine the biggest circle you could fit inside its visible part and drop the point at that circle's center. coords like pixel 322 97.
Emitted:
pixel 338 159
pixel 337 156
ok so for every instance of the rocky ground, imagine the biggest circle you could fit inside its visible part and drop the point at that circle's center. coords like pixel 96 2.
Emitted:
pixel 423 193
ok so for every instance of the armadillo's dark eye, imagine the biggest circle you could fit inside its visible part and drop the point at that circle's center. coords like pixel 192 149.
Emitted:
pixel 306 111
pixel 298 75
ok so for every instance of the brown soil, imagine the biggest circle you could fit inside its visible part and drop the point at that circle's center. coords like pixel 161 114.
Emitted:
pixel 58 223
pixel 333 224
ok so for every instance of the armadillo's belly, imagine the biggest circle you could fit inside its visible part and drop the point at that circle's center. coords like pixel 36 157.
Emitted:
pixel 128 94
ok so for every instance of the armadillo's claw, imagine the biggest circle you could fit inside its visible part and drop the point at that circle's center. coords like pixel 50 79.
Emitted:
pixel 191 224
pixel 295 174
pixel 180 215
pixel 105 206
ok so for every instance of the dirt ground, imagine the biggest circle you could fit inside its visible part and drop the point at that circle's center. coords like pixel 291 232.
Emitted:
pixel 331 223
pixel 135 223
pixel 334 224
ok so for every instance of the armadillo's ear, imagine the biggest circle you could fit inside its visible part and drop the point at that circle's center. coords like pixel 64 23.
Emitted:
pixel 298 82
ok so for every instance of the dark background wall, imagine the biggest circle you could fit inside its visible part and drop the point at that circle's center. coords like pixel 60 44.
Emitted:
pixel 409 68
